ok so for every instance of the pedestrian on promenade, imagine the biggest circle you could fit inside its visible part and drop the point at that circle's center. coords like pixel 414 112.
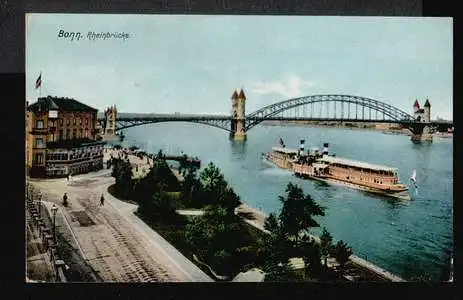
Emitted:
pixel 65 199
pixel 67 175
pixel 101 200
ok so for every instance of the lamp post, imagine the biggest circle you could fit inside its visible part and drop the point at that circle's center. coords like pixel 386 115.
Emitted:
pixel 39 202
pixel 54 209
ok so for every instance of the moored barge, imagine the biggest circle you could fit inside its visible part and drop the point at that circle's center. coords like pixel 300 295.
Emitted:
pixel 322 166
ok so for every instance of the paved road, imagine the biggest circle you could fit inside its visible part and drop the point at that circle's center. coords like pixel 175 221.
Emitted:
pixel 116 243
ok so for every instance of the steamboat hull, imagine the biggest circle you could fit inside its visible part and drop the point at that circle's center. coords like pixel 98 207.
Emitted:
pixel 401 195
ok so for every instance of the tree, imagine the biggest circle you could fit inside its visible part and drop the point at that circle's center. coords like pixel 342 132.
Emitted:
pixel 310 253
pixel 326 244
pixel 215 189
pixel 279 272
pixel 271 223
pixel 342 254
pixel 122 172
pixel 160 154
pixel 191 186
pixel 298 211
pixel 219 237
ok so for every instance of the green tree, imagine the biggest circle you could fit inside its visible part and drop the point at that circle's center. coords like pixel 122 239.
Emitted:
pixel 326 245
pixel 342 254
pixel 122 172
pixel 280 272
pixel 298 212
pixel 271 224
pixel 215 189
pixel 310 253
pixel 191 186
pixel 216 236
pixel 160 155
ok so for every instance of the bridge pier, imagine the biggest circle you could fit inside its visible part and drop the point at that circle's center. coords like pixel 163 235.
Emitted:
pixel 239 136
pixel 423 135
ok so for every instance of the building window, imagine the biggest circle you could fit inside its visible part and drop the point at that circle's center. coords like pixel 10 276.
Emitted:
pixel 39 158
pixel 67 134
pixel 60 121
pixel 86 121
pixel 39 143
pixel 39 124
pixel 80 121
pixel 61 134
pixel 74 133
pixel 80 133
pixel 68 122
pixel 75 121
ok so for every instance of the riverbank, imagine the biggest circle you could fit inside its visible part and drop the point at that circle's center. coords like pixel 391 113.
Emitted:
pixel 360 269
pixel 357 265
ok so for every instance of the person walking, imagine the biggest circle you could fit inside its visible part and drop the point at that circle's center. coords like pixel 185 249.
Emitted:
pixel 65 199
pixel 101 200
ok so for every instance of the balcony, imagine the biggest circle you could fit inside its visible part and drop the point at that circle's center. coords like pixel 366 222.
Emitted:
pixel 39 131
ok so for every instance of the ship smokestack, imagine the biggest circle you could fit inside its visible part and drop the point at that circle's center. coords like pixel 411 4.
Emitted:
pixel 325 148
pixel 301 147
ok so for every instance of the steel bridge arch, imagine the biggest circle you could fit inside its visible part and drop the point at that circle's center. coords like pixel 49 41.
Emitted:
pixel 125 124
pixel 268 111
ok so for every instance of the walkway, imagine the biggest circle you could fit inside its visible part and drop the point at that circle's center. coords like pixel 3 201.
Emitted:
pixel 116 243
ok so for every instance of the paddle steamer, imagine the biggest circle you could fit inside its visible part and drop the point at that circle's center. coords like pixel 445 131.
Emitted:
pixel 326 167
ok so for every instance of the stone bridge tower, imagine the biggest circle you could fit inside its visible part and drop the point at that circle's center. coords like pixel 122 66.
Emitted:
pixel 421 130
pixel 238 124
pixel 110 121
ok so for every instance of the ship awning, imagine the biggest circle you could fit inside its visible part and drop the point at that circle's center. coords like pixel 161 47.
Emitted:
pixel 285 150
pixel 354 163
pixel 319 166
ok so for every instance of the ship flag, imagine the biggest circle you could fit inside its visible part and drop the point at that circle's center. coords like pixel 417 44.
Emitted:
pixel 413 177
pixel 282 143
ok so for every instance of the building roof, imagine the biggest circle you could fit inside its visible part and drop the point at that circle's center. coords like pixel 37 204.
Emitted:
pixel 417 105
pixel 242 95
pixel 59 103
pixel 427 104
pixel 354 163
pixel 235 95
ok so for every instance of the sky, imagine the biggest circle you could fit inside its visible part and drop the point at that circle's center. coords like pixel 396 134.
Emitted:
pixel 193 63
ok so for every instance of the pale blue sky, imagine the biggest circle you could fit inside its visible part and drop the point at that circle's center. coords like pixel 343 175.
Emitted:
pixel 192 64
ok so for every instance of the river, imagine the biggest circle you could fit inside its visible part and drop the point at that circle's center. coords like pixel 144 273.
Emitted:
pixel 411 239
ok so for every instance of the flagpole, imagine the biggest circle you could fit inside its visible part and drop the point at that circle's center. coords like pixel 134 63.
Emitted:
pixel 40 91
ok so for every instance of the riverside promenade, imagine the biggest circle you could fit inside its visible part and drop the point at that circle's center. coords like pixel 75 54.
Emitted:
pixel 258 220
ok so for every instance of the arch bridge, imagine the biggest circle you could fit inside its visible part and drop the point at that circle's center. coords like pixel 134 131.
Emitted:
pixel 333 107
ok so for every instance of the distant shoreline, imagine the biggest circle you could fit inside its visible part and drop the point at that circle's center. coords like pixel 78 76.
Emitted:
pixel 369 127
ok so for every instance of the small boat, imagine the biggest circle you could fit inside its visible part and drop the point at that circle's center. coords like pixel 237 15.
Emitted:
pixel 326 167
